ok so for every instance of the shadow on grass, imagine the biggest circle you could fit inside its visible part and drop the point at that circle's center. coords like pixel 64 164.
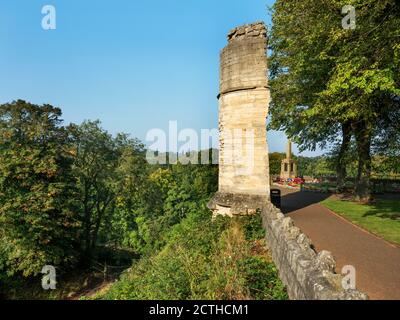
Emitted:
pixel 386 209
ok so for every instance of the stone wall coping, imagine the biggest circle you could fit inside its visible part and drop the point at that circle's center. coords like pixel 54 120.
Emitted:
pixel 307 275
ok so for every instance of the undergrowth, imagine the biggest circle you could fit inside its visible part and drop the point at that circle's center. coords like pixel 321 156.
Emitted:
pixel 204 259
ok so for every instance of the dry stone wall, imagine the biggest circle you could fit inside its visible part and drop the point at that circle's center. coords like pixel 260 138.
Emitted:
pixel 307 275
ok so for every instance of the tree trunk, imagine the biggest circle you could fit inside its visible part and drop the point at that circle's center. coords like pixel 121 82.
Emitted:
pixel 86 220
pixel 341 162
pixel 363 134
pixel 87 226
pixel 100 215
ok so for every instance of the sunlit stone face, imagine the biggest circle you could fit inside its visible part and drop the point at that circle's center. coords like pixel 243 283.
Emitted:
pixel 243 108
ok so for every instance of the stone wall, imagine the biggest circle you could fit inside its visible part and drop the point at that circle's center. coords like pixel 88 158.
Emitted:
pixel 306 274
pixel 244 184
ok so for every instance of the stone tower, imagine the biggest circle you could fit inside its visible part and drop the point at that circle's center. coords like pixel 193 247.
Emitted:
pixel 243 108
pixel 288 166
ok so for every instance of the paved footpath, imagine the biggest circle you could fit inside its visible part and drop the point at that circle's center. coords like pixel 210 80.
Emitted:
pixel 377 262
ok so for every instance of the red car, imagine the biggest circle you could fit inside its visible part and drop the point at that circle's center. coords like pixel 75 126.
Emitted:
pixel 299 180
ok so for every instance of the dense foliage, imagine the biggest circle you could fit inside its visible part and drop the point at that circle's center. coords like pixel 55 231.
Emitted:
pixel 38 208
pixel 382 166
pixel 205 259
pixel 307 166
pixel 330 84
pixel 70 195
pixel 65 192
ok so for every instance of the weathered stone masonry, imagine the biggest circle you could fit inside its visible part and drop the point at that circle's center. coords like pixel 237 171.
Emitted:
pixel 244 99
pixel 306 274
pixel 243 105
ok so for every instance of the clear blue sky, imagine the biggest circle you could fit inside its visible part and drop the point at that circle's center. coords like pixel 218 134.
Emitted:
pixel 135 65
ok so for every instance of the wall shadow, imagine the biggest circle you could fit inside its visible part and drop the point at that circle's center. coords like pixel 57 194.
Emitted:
pixel 298 200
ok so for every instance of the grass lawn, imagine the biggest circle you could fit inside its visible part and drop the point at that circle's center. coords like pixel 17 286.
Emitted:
pixel 381 218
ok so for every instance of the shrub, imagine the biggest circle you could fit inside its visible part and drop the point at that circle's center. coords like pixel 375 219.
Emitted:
pixel 204 259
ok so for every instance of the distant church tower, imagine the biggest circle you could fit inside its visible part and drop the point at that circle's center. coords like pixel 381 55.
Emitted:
pixel 288 166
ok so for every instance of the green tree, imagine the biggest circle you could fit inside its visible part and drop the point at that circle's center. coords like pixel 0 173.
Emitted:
pixel 170 195
pixel 386 144
pixel 94 168
pixel 38 216
pixel 275 160
pixel 137 195
pixel 329 82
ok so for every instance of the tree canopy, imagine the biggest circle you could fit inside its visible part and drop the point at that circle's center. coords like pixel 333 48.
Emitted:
pixel 328 82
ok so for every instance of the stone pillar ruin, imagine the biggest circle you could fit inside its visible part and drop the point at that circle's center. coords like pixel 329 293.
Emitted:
pixel 243 108
pixel 288 165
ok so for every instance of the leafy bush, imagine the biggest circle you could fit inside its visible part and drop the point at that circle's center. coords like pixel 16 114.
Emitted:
pixel 262 279
pixel 204 259
pixel 252 227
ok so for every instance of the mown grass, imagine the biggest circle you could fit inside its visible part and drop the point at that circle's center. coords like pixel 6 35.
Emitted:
pixel 381 218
